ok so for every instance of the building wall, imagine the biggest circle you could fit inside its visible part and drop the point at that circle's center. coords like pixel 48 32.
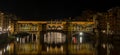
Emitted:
pixel 1 20
pixel 28 26
pixel 5 22
pixel 113 18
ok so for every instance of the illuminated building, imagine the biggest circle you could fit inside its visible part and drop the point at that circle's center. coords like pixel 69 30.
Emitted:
pixel 1 20
pixel 52 36
pixel 5 23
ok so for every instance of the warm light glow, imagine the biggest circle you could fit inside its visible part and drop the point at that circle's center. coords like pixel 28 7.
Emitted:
pixel 4 50
pixel 103 46
pixel 103 31
pixel 81 33
pixel 9 27
pixel 62 48
pixel 2 13
pixel 80 39
pixel 0 28
pixel 55 37
pixel 8 47
pixel 17 39
pixel 4 29
pixel 47 49
pixel 0 52
pixel 74 39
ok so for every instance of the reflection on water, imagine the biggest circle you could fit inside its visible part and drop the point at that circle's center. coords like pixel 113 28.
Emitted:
pixel 53 43
pixel 17 49
pixel 32 48
pixel 26 48
pixel 7 49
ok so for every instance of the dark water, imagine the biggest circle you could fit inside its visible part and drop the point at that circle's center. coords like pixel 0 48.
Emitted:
pixel 14 48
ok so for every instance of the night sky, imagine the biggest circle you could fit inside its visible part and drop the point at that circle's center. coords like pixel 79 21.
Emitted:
pixel 53 9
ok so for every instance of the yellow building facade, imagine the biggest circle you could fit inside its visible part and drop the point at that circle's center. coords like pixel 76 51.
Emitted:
pixel 53 36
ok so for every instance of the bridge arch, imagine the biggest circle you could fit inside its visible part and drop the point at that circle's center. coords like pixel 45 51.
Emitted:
pixel 54 40
pixel 26 37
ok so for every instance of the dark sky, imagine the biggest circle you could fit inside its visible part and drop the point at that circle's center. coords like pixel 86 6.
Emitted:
pixel 54 9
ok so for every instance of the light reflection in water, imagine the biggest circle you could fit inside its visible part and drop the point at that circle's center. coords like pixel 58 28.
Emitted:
pixel 23 48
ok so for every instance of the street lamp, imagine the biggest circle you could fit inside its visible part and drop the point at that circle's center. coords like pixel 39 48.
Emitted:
pixel 81 33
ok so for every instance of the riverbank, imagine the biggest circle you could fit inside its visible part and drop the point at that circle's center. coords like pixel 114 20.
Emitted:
pixel 5 39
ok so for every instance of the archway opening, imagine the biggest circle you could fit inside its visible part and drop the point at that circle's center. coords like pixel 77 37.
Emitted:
pixel 54 41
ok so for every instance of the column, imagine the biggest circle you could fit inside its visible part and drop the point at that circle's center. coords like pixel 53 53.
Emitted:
pixel 32 37
pixel 23 40
pixel 27 38
pixel 36 37
pixel 20 40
